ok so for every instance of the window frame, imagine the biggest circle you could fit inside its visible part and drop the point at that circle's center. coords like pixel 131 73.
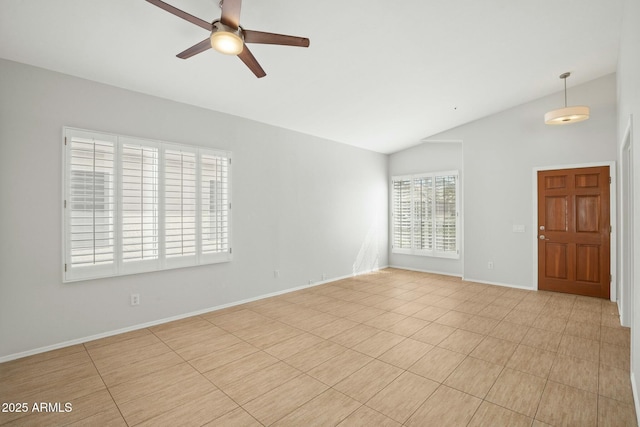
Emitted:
pixel 413 249
pixel 120 267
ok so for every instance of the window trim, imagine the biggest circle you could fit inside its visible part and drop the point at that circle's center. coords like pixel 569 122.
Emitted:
pixel 118 267
pixel 425 252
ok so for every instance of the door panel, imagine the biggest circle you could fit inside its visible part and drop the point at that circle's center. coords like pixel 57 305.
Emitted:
pixel 587 180
pixel 587 214
pixel 588 263
pixel 552 182
pixel 574 227
pixel 556 213
pixel 557 260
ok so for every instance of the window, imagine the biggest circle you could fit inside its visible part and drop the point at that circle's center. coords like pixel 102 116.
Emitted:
pixel 134 205
pixel 425 214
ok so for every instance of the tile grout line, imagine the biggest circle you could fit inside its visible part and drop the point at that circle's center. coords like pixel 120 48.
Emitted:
pixel 105 385
pixel 204 377
pixel 281 360
pixel 331 387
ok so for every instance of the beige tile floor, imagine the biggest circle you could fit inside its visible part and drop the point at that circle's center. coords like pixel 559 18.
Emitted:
pixel 386 349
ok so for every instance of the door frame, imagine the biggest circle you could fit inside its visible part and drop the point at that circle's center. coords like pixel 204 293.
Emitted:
pixel 613 295
pixel 626 220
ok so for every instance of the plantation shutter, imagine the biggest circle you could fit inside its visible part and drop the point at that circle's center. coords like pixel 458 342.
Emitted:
pixel 214 187
pixel 139 202
pixel 423 212
pixel 90 204
pixel 402 213
pixel 180 203
pixel 133 205
pixel 445 213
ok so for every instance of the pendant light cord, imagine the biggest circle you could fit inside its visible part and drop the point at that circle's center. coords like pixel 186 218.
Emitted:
pixel 565 92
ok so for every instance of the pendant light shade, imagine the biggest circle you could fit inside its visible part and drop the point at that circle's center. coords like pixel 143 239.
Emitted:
pixel 563 116
pixel 566 115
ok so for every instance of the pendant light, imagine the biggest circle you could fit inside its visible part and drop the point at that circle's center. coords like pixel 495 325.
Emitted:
pixel 566 115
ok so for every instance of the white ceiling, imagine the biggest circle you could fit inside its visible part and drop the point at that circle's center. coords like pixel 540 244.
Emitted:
pixel 378 75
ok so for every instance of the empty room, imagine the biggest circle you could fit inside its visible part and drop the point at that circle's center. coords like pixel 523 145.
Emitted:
pixel 298 213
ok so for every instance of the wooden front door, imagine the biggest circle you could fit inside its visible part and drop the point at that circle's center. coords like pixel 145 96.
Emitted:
pixel 574 231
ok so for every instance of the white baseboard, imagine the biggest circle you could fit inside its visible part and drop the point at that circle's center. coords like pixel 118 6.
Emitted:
pixel 506 285
pixel 172 318
pixel 442 273
pixel 634 390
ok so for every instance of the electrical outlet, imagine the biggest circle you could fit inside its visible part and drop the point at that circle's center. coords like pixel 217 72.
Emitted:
pixel 324 276
pixel 276 273
pixel 490 265
pixel 310 282
pixel 135 299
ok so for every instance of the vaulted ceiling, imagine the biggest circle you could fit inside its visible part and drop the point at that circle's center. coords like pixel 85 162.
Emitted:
pixel 380 75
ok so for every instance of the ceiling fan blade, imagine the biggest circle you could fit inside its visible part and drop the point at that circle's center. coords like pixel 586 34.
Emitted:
pixel 184 15
pixel 231 13
pixel 250 61
pixel 272 38
pixel 195 49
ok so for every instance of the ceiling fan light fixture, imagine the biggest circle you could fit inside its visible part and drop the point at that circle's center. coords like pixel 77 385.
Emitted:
pixel 566 115
pixel 226 40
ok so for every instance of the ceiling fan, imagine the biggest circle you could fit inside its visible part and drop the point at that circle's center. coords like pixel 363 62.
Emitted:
pixel 228 37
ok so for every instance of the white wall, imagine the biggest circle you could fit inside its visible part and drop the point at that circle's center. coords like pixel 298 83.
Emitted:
pixel 428 157
pixel 629 104
pixel 500 153
pixel 302 205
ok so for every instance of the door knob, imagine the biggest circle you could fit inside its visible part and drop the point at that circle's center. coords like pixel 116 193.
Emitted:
pixel 542 227
pixel 542 237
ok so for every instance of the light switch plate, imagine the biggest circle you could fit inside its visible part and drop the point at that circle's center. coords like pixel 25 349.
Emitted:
pixel 518 228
